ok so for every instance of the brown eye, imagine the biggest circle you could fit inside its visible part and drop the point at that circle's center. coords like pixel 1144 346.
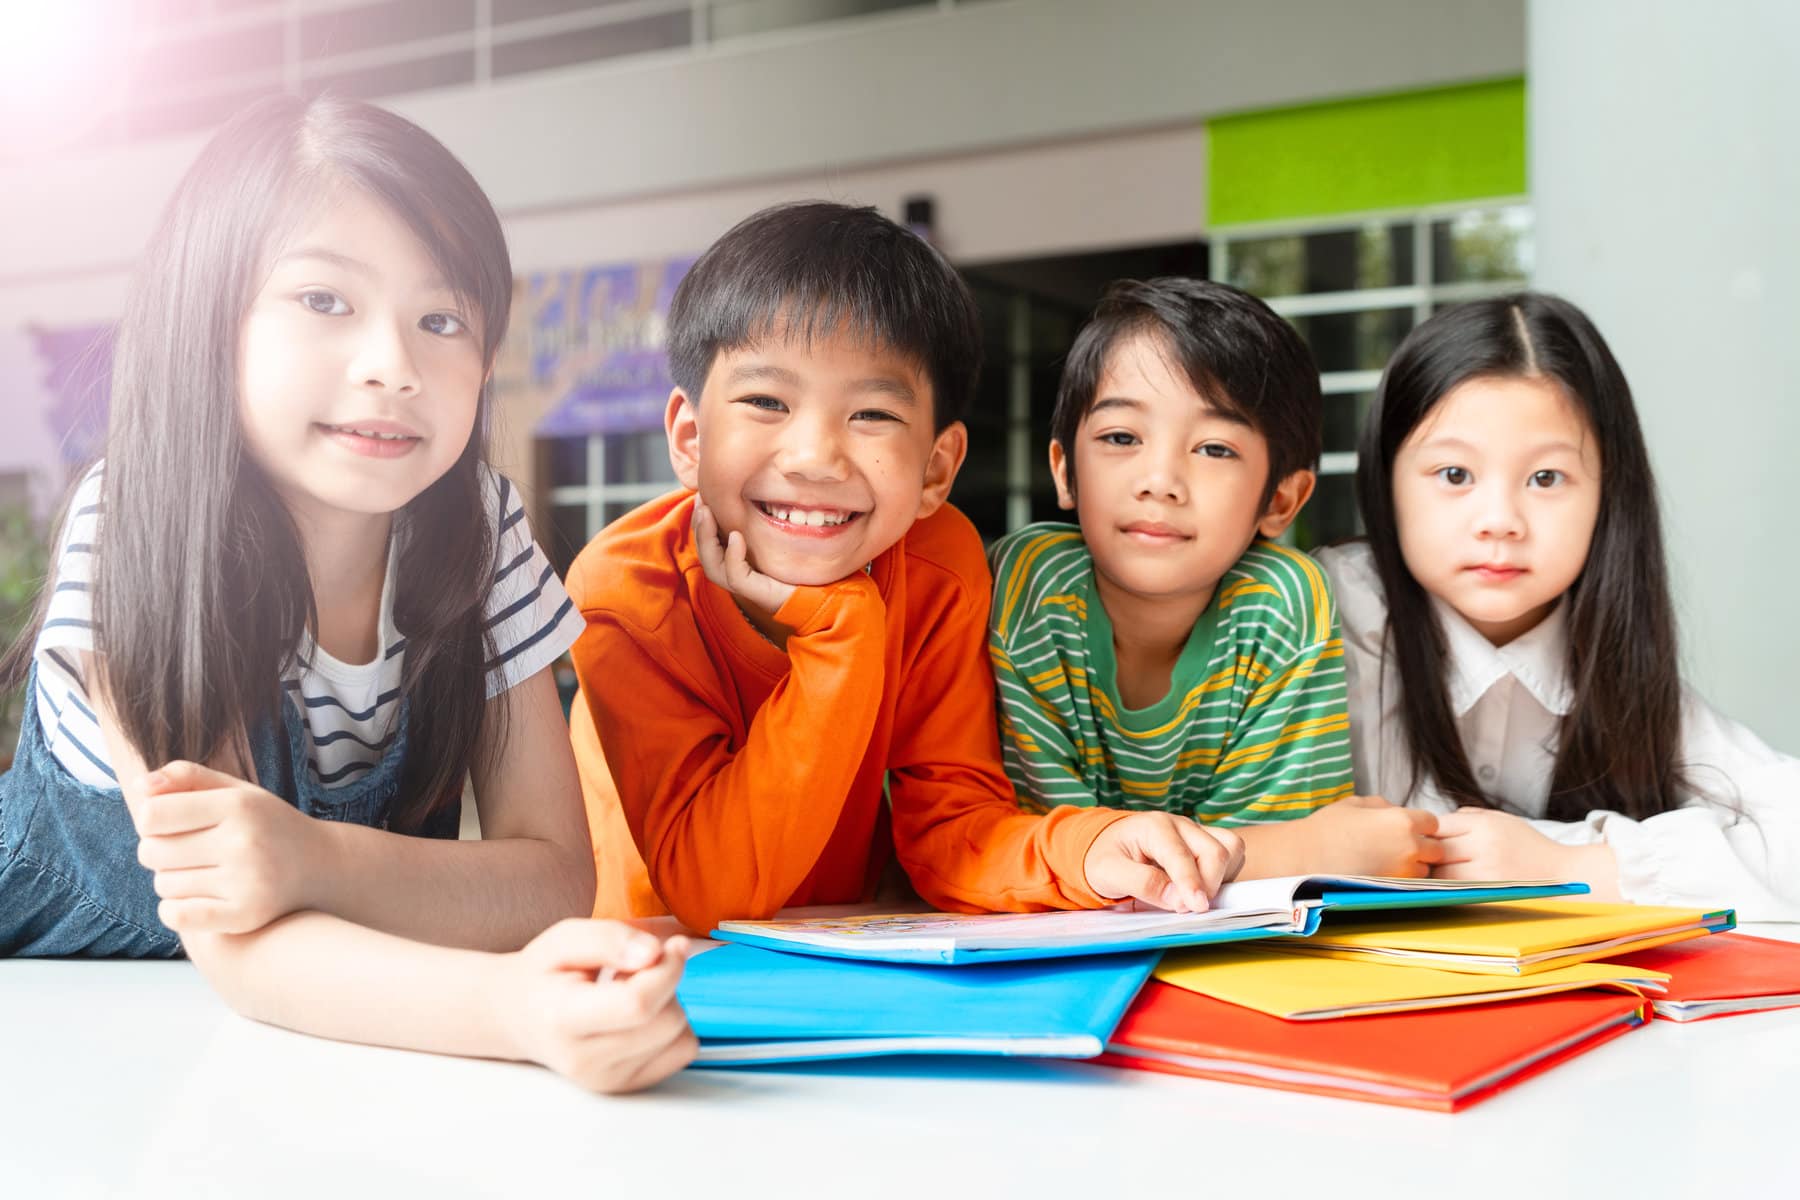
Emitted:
pixel 326 304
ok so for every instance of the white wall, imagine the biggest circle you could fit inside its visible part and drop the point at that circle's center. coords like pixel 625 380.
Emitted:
pixel 1666 181
pixel 1097 192
pixel 928 83
pixel 1040 126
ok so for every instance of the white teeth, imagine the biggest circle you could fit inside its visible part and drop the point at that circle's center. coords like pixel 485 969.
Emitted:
pixel 814 518
pixel 370 433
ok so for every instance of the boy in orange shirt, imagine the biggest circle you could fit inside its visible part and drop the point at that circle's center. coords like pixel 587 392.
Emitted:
pixel 785 661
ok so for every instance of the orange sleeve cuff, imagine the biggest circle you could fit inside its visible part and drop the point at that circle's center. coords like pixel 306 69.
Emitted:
pixel 811 609
pixel 1070 839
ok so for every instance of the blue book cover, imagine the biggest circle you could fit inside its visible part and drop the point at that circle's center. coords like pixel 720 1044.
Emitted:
pixel 752 1006
pixel 1330 898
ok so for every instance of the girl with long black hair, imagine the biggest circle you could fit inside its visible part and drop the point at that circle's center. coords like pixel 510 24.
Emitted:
pixel 293 611
pixel 1510 639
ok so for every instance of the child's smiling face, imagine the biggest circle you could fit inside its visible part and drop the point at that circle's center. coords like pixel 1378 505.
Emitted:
pixel 1496 494
pixel 822 452
pixel 1168 489
pixel 359 370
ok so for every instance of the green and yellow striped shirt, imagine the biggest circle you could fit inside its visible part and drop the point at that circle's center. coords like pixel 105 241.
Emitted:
pixel 1255 726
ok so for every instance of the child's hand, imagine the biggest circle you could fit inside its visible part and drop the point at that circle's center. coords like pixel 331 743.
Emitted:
pixel 1163 859
pixel 1365 835
pixel 1482 843
pixel 595 1001
pixel 229 857
pixel 727 564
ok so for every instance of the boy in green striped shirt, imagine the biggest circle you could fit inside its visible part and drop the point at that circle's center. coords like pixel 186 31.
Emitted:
pixel 1166 653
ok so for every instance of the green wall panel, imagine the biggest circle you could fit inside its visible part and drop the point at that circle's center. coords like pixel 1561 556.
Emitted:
pixel 1380 152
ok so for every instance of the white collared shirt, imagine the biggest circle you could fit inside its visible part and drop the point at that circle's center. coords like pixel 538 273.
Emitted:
pixel 1735 842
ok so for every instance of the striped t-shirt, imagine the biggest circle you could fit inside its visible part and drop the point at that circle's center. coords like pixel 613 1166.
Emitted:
pixel 1254 727
pixel 349 709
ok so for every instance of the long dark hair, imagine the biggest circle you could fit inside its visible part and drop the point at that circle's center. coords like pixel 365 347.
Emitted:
pixel 201 592
pixel 1616 747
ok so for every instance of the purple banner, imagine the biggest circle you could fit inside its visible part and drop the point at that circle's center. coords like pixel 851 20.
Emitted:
pixel 597 346
pixel 79 375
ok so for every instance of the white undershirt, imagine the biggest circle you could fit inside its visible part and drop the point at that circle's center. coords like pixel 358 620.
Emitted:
pixel 350 710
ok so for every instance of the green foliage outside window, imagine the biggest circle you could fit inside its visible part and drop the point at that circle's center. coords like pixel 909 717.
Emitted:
pixel 23 561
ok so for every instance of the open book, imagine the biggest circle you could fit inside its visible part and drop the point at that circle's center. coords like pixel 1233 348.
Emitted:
pixel 1288 906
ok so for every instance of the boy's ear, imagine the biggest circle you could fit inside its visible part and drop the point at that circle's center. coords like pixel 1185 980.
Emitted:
pixel 1059 471
pixel 682 423
pixel 947 454
pixel 1291 495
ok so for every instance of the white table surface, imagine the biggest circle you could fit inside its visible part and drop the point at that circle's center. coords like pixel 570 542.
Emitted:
pixel 125 1078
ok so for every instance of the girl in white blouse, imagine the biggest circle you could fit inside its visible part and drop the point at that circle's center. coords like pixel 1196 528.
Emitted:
pixel 1509 637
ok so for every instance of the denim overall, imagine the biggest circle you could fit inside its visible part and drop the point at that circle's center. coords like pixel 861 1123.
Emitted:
pixel 70 883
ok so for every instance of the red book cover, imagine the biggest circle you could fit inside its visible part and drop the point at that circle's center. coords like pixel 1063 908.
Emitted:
pixel 1444 1059
pixel 1723 974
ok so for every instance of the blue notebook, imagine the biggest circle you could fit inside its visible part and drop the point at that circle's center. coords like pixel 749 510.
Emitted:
pixel 752 1006
pixel 1262 908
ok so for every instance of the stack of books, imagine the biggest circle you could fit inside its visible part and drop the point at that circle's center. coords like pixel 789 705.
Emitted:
pixel 1425 993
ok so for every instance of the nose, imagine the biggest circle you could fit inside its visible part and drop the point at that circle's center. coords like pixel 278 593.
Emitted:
pixel 1162 479
pixel 383 360
pixel 812 449
pixel 1499 516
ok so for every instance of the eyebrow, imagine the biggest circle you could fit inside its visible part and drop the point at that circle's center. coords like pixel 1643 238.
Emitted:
pixel 1456 443
pixel 355 265
pixel 1118 402
pixel 887 385
pixel 320 254
pixel 768 372
pixel 1135 405
pixel 756 372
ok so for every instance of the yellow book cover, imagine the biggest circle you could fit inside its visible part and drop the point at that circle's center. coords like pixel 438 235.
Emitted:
pixel 1513 937
pixel 1310 987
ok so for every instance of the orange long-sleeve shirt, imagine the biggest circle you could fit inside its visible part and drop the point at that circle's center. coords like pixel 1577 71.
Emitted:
pixel 744 780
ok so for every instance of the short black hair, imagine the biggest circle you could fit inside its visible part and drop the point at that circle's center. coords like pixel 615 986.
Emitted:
pixel 1237 353
pixel 815 268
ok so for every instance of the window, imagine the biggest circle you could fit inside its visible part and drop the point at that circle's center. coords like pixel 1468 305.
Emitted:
pixel 593 481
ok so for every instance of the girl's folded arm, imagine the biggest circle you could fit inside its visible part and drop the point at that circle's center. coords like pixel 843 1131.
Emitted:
pixel 296 971
pixel 592 1000
pixel 532 866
